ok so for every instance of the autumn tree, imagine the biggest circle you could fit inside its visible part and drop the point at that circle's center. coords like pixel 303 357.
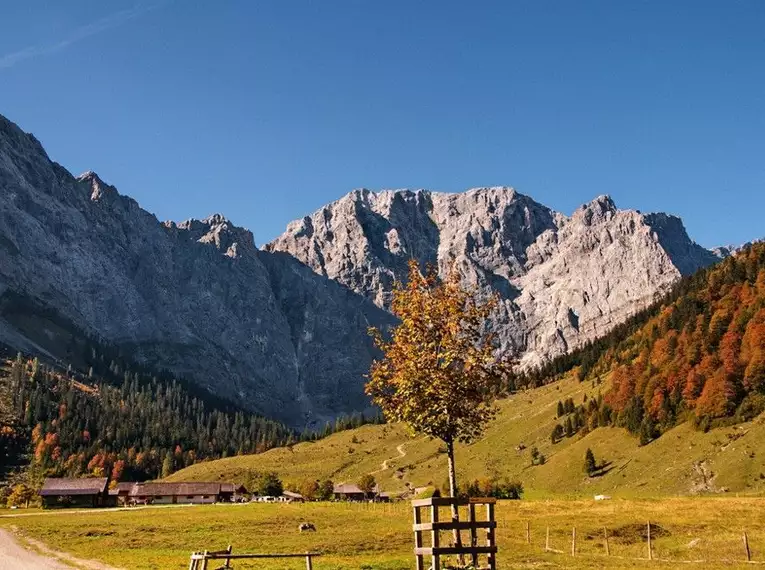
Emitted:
pixel 440 372
pixel 21 495
pixel 309 488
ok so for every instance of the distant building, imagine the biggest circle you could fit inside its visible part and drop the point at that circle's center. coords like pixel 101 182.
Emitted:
pixel 351 492
pixel 348 492
pixel 387 497
pixel 120 493
pixel 176 493
pixel 293 497
pixel 229 492
pixel 90 492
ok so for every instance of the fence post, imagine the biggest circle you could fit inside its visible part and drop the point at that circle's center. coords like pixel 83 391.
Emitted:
pixel 547 540
pixel 228 560
pixel 473 533
pixel 490 538
pixel 204 560
pixel 435 537
pixel 528 532
pixel 308 564
pixel 573 541
pixel 605 537
pixel 746 547
pixel 418 539
pixel 650 552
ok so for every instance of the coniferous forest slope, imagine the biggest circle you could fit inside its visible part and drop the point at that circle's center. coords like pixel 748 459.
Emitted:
pixel 671 404
pixel 121 420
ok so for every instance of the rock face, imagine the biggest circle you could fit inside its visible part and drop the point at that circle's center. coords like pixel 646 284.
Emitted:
pixel 195 297
pixel 563 280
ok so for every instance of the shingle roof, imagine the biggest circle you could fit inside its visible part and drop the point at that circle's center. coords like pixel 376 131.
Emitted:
pixel 347 489
pixel 123 487
pixel 292 495
pixel 162 489
pixel 71 487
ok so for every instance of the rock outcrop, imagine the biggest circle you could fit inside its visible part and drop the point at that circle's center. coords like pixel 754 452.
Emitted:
pixel 197 297
pixel 563 280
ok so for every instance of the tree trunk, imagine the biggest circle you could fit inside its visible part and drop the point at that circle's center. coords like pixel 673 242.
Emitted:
pixel 453 490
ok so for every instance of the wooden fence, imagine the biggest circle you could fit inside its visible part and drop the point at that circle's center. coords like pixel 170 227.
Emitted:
pixel 472 525
pixel 199 560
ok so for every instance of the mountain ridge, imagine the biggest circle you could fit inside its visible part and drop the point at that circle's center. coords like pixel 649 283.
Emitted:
pixel 500 239
pixel 281 329
pixel 195 297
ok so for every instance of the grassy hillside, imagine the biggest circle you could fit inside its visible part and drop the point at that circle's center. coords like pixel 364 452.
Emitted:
pixel 683 461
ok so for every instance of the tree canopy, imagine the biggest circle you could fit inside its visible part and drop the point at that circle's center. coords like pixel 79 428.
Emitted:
pixel 441 370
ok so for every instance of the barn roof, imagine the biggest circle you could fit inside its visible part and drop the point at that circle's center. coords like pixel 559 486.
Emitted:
pixel 292 495
pixel 123 488
pixel 161 489
pixel 347 489
pixel 70 487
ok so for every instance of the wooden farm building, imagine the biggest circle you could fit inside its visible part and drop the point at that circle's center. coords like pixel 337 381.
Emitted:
pixel 121 493
pixel 90 492
pixel 230 492
pixel 177 493
pixel 293 497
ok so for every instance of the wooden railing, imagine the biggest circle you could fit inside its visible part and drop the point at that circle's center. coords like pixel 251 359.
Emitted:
pixel 199 559
pixel 437 524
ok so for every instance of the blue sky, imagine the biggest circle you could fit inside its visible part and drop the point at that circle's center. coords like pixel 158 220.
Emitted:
pixel 266 110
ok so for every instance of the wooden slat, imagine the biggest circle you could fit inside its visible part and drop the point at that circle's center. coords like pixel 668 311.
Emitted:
pixel 448 501
pixel 419 560
pixel 444 550
pixel 490 542
pixel 209 556
pixel 436 560
pixel 451 525
pixel 473 535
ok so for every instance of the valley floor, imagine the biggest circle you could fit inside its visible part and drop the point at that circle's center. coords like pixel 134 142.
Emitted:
pixel 695 532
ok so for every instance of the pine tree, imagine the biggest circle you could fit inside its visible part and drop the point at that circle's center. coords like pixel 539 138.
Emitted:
pixel 590 467
pixel 167 465
pixel 569 428
pixel 557 433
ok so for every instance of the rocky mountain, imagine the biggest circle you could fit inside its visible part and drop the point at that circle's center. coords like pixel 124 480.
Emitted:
pixel 282 330
pixel 563 280
pixel 197 298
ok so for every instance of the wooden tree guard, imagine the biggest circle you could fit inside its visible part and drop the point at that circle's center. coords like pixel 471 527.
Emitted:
pixel 199 560
pixel 438 524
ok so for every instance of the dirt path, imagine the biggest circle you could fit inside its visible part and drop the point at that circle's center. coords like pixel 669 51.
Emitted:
pixel 13 556
pixel 384 465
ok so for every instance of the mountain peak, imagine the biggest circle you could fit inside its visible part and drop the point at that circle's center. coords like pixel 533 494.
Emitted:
pixel 98 188
pixel 598 210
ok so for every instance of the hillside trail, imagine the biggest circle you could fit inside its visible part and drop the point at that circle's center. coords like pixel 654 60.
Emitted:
pixel 13 556
pixel 384 465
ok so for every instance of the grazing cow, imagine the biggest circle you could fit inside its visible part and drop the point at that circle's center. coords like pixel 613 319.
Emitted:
pixel 306 526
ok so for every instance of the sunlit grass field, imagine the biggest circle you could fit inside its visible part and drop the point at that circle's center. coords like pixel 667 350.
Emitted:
pixel 352 536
